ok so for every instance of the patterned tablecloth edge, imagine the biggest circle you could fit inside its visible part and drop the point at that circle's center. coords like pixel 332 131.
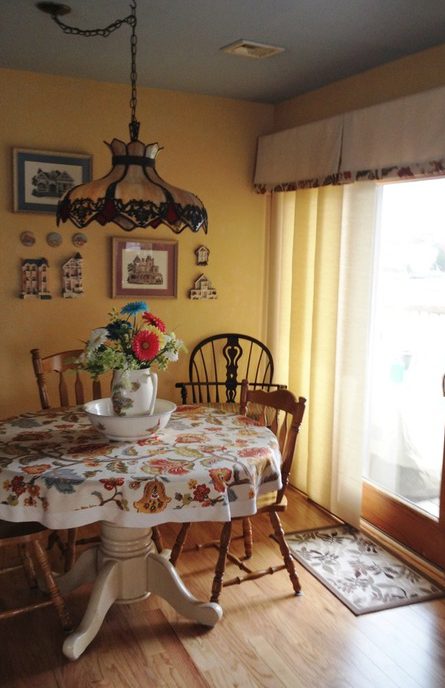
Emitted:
pixel 59 521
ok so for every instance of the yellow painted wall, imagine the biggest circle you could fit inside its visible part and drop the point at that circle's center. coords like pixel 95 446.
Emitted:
pixel 412 74
pixel 210 146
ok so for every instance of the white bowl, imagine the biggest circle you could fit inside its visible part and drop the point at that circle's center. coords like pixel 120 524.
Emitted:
pixel 101 416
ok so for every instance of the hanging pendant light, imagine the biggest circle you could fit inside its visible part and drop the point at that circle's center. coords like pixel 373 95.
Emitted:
pixel 132 194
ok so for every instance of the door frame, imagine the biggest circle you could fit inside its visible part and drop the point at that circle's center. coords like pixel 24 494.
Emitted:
pixel 405 523
pixel 400 519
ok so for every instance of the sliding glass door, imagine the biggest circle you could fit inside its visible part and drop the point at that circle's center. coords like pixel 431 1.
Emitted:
pixel 403 491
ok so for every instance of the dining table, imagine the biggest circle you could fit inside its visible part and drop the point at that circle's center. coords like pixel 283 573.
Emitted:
pixel 208 464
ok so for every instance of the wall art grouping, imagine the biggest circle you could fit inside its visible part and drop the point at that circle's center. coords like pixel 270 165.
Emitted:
pixel 202 287
pixel 34 278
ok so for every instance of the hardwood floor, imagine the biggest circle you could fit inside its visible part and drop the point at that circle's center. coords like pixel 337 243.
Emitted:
pixel 267 638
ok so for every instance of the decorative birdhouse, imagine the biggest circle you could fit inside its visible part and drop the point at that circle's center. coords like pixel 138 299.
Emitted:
pixel 202 255
pixel 202 289
pixel 35 278
pixel 73 277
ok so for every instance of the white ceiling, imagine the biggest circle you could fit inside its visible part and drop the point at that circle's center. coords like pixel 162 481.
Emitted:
pixel 179 42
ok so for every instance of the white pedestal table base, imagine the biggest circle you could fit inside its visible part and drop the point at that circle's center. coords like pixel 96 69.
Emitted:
pixel 125 568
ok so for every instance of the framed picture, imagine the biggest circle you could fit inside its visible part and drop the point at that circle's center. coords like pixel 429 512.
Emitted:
pixel 42 177
pixel 144 268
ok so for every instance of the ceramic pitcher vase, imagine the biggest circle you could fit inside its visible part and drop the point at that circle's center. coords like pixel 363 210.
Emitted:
pixel 133 392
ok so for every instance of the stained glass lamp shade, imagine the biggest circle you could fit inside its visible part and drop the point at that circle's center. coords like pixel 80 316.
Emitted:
pixel 133 195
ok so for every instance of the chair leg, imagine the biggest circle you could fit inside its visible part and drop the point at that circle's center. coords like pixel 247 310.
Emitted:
pixel 28 566
pixel 285 552
pixel 55 539
pixel 221 563
pixel 179 543
pixel 70 551
pixel 52 587
pixel 157 539
pixel 247 537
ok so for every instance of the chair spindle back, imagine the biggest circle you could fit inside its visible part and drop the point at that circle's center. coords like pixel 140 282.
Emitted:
pixel 283 413
pixel 60 364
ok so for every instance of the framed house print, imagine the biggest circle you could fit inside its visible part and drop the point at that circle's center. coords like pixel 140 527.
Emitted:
pixel 41 178
pixel 144 268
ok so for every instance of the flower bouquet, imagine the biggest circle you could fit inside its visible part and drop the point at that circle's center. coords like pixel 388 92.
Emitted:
pixel 134 340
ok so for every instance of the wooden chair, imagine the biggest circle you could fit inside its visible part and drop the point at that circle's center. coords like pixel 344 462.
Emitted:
pixel 286 428
pixel 62 367
pixel 29 538
pixel 218 364
pixel 60 364
pixel 216 367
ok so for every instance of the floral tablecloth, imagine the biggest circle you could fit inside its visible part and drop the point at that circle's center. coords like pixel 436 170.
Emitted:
pixel 208 464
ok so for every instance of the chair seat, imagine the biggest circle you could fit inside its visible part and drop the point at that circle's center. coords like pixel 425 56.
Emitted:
pixel 9 530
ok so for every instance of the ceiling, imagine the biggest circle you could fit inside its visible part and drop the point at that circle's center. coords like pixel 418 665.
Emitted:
pixel 180 41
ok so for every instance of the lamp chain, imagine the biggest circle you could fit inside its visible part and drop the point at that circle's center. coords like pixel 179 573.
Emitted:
pixel 134 124
pixel 105 32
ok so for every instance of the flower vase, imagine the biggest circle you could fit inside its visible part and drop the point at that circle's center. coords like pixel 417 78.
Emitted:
pixel 133 392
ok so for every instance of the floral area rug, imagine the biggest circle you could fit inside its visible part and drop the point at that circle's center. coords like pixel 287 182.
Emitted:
pixel 360 572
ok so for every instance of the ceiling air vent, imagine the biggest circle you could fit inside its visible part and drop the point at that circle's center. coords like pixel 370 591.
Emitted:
pixel 251 49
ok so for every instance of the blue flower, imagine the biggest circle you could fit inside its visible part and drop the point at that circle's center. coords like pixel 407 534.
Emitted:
pixel 64 480
pixel 134 307
pixel 117 329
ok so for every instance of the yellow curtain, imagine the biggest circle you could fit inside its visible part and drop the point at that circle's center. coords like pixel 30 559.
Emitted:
pixel 320 276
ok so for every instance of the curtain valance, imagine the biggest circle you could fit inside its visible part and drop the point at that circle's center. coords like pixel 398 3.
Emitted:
pixel 403 138
pixel 311 151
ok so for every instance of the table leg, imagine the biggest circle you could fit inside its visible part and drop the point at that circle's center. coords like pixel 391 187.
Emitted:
pixel 105 592
pixel 164 581
pixel 126 568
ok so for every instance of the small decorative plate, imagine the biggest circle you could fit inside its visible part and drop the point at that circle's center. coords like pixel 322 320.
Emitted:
pixel 79 239
pixel 54 239
pixel 27 238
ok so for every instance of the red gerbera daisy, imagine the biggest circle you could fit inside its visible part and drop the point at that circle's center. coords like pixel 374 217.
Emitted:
pixel 155 321
pixel 145 345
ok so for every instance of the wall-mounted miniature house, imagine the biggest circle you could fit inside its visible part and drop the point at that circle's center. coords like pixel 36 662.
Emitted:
pixel 34 274
pixel 73 277
pixel 202 289
pixel 202 255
